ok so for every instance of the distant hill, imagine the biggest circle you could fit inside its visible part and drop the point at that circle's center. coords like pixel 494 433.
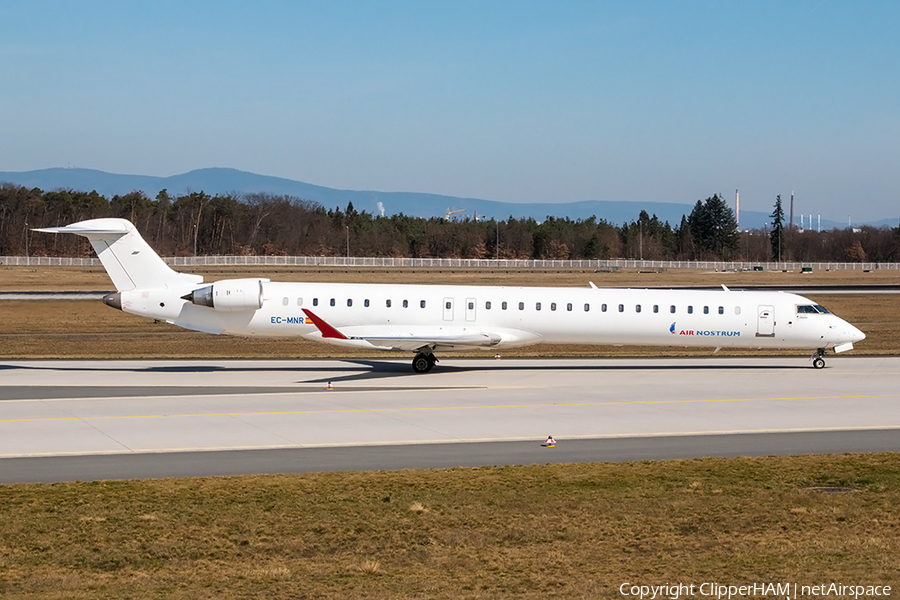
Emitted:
pixel 230 181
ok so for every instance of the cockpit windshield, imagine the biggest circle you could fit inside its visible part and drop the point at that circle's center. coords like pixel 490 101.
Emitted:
pixel 811 309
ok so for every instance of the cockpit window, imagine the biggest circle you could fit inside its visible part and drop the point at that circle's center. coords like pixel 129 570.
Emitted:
pixel 811 309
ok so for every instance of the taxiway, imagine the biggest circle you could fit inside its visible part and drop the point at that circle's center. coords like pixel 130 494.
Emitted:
pixel 67 420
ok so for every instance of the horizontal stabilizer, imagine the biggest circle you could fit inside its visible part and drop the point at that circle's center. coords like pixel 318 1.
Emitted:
pixel 109 227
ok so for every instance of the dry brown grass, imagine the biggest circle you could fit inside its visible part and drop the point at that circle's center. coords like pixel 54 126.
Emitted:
pixel 95 278
pixel 68 329
pixel 370 567
pixel 567 531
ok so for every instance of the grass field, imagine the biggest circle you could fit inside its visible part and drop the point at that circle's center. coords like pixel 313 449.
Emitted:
pixel 95 278
pixel 554 531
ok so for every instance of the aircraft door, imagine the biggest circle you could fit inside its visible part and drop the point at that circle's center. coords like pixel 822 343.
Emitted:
pixel 448 309
pixel 470 309
pixel 765 321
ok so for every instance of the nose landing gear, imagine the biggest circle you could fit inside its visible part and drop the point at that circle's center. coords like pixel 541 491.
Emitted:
pixel 818 359
pixel 423 362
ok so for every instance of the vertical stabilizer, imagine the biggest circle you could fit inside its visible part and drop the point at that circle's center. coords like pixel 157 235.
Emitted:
pixel 130 262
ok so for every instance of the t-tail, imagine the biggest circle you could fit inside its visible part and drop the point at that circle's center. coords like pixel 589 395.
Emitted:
pixel 130 262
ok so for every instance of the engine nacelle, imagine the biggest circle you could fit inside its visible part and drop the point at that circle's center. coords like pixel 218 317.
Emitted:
pixel 230 295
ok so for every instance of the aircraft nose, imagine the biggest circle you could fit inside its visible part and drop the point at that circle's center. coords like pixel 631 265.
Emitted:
pixel 847 333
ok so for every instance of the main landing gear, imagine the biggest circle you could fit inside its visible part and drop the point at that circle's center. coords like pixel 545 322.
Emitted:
pixel 423 362
pixel 818 358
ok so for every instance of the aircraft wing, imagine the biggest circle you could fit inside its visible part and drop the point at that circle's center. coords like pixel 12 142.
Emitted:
pixel 417 342
pixel 391 338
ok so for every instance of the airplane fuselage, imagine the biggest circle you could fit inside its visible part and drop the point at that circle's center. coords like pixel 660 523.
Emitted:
pixel 517 316
pixel 425 319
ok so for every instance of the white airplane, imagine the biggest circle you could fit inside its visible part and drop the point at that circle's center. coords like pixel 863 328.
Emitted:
pixel 425 319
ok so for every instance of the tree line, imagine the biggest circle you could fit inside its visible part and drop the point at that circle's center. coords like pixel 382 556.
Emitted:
pixel 196 223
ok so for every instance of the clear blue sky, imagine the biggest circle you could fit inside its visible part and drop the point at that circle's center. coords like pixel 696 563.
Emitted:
pixel 514 101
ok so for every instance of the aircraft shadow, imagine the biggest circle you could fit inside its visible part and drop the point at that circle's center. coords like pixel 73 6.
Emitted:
pixel 369 369
pixel 376 369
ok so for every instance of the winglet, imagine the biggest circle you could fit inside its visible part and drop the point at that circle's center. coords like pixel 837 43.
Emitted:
pixel 725 288
pixel 327 330
pixel 592 285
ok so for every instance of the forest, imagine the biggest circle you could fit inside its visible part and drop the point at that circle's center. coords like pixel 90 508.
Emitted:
pixel 196 223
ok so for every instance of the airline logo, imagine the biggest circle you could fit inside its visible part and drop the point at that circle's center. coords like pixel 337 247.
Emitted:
pixel 703 332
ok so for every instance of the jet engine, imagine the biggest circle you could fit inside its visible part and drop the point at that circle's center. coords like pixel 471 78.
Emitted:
pixel 230 295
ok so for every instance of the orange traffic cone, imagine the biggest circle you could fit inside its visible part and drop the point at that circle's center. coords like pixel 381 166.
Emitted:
pixel 328 387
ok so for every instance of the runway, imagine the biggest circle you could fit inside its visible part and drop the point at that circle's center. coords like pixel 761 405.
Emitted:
pixel 68 420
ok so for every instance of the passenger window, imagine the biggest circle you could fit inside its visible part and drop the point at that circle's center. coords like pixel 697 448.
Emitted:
pixel 537 306
pixel 471 305
pixel 690 310
pixel 406 304
pixel 349 302
pixel 284 301
pixel 569 307
pixel 387 303
pixel 603 307
pixel 637 308
pixel 553 306
pixel 447 305
pixel 299 301
pixel 366 303
pixel 503 305
pixel 737 310
pixel 521 306
pixel 422 304
pixel 332 302
pixel 721 310
pixel 487 305
pixel 656 308
pixel 672 309
pixel 621 308
pixel 587 308
pixel 705 310
pixel 315 301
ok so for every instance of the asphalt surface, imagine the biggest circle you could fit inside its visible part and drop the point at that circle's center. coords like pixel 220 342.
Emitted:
pixel 89 420
pixel 434 456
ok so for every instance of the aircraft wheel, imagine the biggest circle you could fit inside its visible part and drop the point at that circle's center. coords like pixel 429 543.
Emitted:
pixel 422 363
pixel 818 362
